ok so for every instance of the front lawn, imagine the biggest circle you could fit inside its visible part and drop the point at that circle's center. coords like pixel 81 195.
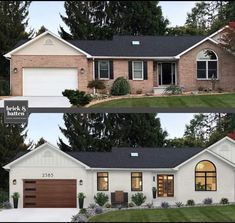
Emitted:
pixel 192 214
pixel 192 101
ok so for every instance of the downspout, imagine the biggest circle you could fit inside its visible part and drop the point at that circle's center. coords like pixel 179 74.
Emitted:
pixel 93 73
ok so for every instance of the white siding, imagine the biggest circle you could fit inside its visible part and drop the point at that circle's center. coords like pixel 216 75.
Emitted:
pixel 41 47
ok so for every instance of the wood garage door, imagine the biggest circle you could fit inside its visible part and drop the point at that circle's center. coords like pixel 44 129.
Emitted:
pixel 50 193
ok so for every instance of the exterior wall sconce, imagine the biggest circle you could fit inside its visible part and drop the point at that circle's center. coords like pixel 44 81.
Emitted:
pixel 82 71
pixel 81 182
pixel 15 70
pixel 14 182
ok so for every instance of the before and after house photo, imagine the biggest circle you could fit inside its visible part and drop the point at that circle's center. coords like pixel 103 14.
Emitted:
pixel 117 111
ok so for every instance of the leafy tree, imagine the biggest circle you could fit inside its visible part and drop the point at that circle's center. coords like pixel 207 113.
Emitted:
pixel 40 142
pixel 227 40
pixel 101 132
pixel 12 141
pixel 103 19
pixel 41 30
pixel 184 30
pixel 13 22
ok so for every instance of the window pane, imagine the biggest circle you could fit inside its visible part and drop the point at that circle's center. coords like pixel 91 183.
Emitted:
pixel 103 183
pixel 200 183
pixel 211 183
pixel 212 65
pixel 201 65
pixel 136 182
pixel 102 174
pixel 165 185
pixel 198 174
pixel 212 73
pixel 206 55
pixel 201 73
pixel 104 74
pixel 104 65
pixel 137 65
pixel 138 74
pixel 136 174
pixel 205 166
pixel 211 174
pixel 104 69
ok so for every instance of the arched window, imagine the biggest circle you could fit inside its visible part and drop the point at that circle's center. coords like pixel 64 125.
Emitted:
pixel 207 65
pixel 205 176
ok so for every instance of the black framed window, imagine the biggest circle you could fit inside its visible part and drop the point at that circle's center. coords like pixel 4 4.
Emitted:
pixel 165 184
pixel 103 69
pixel 136 181
pixel 205 176
pixel 102 181
pixel 207 65
pixel 138 70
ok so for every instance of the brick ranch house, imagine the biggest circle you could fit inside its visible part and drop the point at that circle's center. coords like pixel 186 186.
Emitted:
pixel 47 64
pixel 48 177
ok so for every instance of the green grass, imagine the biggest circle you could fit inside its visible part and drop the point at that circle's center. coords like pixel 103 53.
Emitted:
pixel 192 101
pixel 192 214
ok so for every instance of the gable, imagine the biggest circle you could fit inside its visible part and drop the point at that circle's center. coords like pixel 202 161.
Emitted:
pixel 225 148
pixel 47 45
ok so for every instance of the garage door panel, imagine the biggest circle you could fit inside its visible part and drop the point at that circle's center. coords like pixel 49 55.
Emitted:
pixel 48 81
pixel 50 193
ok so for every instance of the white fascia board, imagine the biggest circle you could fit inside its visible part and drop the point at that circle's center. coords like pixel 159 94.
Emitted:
pixel 226 138
pixel 8 166
pixel 136 169
pixel 220 30
pixel 195 45
pixel 8 55
pixel 125 57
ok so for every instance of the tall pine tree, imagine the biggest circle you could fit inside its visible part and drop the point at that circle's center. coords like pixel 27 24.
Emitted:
pixel 12 141
pixel 103 19
pixel 101 132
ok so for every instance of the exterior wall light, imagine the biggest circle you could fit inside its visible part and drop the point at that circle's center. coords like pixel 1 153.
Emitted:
pixel 15 70
pixel 14 182
pixel 81 182
pixel 82 71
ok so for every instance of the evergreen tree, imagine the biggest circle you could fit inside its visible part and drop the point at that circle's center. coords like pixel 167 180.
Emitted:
pixel 101 132
pixel 13 22
pixel 12 141
pixel 40 142
pixel 103 19
pixel 41 30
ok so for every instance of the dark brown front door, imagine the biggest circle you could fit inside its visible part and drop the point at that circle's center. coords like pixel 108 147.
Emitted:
pixel 50 193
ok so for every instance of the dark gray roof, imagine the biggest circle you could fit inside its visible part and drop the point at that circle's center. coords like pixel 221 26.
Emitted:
pixel 148 157
pixel 150 46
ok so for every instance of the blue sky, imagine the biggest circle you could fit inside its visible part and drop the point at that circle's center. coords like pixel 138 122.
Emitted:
pixel 47 13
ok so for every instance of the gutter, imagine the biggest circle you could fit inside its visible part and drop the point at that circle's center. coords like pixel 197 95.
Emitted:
pixel 135 169
pixel 128 57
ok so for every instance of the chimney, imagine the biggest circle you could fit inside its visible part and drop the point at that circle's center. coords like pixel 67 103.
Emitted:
pixel 232 135
pixel 232 24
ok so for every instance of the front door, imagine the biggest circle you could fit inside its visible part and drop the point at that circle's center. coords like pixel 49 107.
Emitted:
pixel 166 73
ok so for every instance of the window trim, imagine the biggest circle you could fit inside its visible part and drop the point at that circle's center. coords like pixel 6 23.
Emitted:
pixel 98 177
pixel 207 61
pixel 205 177
pixel 132 177
pixel 133 70
pixel 101 78
pixel 168 175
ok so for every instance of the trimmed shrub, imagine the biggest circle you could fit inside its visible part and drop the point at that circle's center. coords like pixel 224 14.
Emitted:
pixel 83 211
pixel 101 198
pixel 76 97
pixel 131 205
pixel 120 86
pixel 79 218
pixel 97 84
pixel 138 198
pixel 179 204
pixel 190 202
pixel 165 205
pixel 6 205
pixel 224 201
pixel 207 201
pixel 4 88
pixel 173 89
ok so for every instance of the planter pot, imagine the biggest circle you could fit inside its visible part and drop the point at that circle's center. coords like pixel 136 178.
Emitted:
pixel 81 202
pixel 154 194
pixel 15 202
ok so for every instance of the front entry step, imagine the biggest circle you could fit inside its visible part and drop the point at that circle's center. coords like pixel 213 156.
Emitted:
pixel 159 89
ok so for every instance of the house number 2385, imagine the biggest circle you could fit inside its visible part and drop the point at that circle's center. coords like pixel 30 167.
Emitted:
pixel 47 175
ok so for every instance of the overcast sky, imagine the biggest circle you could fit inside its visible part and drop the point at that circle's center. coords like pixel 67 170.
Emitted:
pixel 47 13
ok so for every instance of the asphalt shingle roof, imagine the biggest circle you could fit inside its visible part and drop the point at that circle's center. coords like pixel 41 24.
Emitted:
pixel 121 46
pixel 147 157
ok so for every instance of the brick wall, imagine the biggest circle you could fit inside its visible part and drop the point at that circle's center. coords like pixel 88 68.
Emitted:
pixel 187 75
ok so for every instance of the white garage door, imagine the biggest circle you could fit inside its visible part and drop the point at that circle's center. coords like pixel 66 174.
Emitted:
pixel 48 81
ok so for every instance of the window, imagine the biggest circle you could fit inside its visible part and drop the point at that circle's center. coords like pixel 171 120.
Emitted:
pixel 207 63
pixel 165 185
pixel 138 71
pixel 205 176
pixel 103 69
pixel 136 181
pixel 102 181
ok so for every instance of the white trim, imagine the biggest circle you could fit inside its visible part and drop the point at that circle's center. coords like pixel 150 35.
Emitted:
pixel 226 138
pixel 220 30
pixel 8 166
pixel 125 57
pixel 142 70
pixel 136 169
pixel 8 55
pixel 108 78
pixel 195 45
pixel 165 85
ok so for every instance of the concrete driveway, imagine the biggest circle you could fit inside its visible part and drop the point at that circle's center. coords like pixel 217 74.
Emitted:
pixel 38 214
pixel 42 102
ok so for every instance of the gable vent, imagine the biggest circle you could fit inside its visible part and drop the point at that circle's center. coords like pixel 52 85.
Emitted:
pixel 48 42
pixel 135 42
pixel 134 154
